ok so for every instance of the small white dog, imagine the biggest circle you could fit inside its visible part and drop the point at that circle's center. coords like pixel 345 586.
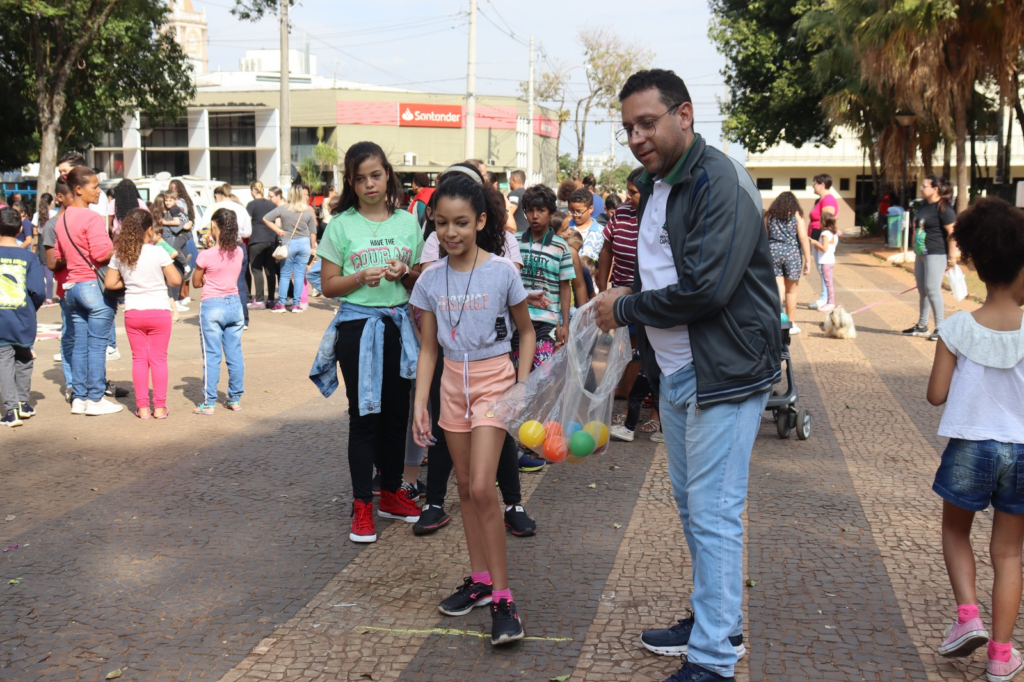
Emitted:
pixel 839 324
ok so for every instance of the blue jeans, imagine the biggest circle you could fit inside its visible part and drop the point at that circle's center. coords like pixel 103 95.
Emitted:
pixel 976 473
pixel 243 288
pixel 313 275
pixel 67 342
pixel 220 332
pixel 91 314
pixel 294 266
pixel 709 461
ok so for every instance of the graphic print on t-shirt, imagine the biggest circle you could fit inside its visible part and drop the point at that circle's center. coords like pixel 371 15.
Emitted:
pixel 379 253
pixel 13 273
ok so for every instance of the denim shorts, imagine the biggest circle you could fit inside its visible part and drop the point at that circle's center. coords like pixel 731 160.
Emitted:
pixel 976 473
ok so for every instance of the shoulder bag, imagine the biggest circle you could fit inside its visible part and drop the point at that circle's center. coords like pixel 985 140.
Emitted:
pixel 101 272
pixel 281 252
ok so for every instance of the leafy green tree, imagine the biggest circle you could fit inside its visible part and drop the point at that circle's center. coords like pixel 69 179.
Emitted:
pixel 773 96
pixel 614 179
pixel 567 167
pixel 82 65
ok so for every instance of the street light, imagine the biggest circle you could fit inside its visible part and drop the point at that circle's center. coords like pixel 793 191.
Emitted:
pixel 906 120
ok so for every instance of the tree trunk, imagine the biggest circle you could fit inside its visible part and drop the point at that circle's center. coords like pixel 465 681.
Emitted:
pixel 875 180
pixel 1000 148
pixel 947 158
pixel 49 130
pixel 1008 149
pixel 960 125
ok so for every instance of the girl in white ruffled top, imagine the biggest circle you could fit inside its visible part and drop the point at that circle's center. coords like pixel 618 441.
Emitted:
pixel 979 374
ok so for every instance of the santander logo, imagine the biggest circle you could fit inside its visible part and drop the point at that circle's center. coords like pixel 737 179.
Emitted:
pixel 431 115
pixel 408 115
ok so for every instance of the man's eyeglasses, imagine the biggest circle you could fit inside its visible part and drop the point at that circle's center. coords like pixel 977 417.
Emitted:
pixel 645 129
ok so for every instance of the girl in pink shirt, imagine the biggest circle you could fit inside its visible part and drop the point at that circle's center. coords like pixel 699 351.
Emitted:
pixel 221 319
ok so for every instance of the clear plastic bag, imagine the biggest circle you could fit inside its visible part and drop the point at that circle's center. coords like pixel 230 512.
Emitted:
pixel 957 282
pixel 563 410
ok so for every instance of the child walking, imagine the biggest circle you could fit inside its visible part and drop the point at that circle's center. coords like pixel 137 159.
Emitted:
pixel 144 270
pixel 979 360
pixel 470 299
pixel 826 244
pixel 220 312
pixel 21 294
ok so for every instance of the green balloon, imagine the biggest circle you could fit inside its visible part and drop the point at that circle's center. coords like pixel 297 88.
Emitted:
pixel 581 444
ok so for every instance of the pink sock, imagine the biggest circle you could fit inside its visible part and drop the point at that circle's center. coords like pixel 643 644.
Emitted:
pixel 966 612
pixel 998 651
pixel 484 577
pixel 498 595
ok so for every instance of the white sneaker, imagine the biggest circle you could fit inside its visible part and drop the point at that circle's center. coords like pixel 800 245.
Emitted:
pixel 794 330
pixel 113 354
pixel 183 303
pixel 56 356
pixel 657 437
pixel 78 406
pixel 94 408
pixel 620 432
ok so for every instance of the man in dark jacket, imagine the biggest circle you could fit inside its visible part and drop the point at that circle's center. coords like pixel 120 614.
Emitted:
pixel 706 312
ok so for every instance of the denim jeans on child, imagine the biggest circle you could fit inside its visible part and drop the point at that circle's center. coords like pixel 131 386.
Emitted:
pixel 67 342
pixel 709 461
pixel 313 275
pixel 91 314
pixel 220 332
pixel 294 266
pixel 976 473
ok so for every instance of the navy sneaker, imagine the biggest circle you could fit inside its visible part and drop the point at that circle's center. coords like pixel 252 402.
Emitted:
pixel 519 522
pixel 26 411
pixel 691 672
pixel 467 596
pixel 432 518
pixel 674 641
pixel 10 419
pixel 505 624
pixel 529 464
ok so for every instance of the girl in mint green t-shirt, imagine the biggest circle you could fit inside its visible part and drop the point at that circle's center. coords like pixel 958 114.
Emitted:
pixel 368 251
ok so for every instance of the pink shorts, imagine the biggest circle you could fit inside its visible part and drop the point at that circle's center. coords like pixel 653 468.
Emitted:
pixel 468 389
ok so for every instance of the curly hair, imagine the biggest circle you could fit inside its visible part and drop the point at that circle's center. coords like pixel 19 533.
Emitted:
pixel 134 226
pixel 990 234
pixel 126 198
pixel 538 196
pixel 227 223
pixel 784 207
pixel 565 189
pixel 484 201
pixel 581 196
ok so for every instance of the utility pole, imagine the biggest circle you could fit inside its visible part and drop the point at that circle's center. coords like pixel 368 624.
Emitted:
pixel 285 111
pixel 471 85
pixel 530 115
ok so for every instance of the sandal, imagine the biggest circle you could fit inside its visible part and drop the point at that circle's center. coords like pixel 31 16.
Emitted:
pixel 143 416
pixel 204 409
pixel 233 405
pixel 167 412
pixel 651 426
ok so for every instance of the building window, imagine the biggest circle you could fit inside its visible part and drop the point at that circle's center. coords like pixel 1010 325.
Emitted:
pixel 764 184
pixel 232 130
pixel 172 133
pixel 175 163
pixel 844 184
pixel 234 168
pixel 797 184
pixel 303 141
pixel 112 138
pixel 111 163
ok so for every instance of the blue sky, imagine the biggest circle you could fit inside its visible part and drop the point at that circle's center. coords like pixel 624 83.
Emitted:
pixel 423 45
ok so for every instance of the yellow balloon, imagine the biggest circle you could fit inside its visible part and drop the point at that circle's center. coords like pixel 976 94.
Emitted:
pixel 599 432
pixel 531 434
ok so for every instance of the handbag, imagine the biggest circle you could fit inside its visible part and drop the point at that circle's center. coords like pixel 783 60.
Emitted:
pixel 957 282
pixel 101 272
pixel 281 252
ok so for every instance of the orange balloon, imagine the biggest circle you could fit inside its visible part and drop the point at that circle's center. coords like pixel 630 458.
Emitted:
pixel 552 429
pixel 556 449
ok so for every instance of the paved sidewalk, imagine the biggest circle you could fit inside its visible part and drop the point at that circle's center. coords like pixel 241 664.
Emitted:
pixel 215 548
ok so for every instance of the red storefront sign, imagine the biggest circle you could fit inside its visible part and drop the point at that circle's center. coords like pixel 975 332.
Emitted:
pixel 430 115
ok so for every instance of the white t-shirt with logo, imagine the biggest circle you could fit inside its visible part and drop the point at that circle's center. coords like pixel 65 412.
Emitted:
pixel 658 270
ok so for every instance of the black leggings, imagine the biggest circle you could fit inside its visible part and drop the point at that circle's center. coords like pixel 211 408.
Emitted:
pixel 641 389
pixel 375 439
pixel 439 463
pixel 261 258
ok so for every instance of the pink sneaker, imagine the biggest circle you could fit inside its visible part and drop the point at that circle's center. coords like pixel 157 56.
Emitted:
pixel 1002 671
pixel 962 639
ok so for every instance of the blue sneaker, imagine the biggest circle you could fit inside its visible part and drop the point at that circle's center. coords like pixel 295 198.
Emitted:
pixel 528 463
pixel 674 641
pixel 691 672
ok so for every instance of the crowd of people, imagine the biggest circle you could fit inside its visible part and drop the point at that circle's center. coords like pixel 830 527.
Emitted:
pixel 453 293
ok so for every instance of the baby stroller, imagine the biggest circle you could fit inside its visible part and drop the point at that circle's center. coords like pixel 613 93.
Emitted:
pixel 783 404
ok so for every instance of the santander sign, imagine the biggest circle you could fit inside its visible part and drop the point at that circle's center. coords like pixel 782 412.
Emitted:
pixel 430 115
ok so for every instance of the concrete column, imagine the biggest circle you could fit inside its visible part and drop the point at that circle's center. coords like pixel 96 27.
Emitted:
pixel 131 142
pixel 199 143
pixel 268 150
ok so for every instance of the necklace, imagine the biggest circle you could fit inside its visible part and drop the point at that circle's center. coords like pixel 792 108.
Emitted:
pixel 448 292
pixel 374 225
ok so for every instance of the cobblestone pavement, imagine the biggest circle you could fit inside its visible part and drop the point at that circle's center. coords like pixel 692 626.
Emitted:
pixel 215 548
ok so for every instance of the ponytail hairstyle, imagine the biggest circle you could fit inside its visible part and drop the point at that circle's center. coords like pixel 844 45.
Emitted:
pixel 940 183
pixel 43 207
pixel 990 234
pixel 828 222
pixel 484 201
pixel 227 223
pixel 356 155
pixel 79 176
pixel 132 236
pixel 256 187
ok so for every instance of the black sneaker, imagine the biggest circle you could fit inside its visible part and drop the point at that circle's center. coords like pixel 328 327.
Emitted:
pixel 691 672
pixel 528 464
pixel 934 336
pixel 417 490
pixel 115 391
pixel 375 485
pixel 432 519
pixel 10 419
pixel 505 624
pixel 468 596
pixel 26 411
pixel 519 522
pixel 916 330
pixel 674 640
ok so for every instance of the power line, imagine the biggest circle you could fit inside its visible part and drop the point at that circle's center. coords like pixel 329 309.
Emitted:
pixel 507 32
